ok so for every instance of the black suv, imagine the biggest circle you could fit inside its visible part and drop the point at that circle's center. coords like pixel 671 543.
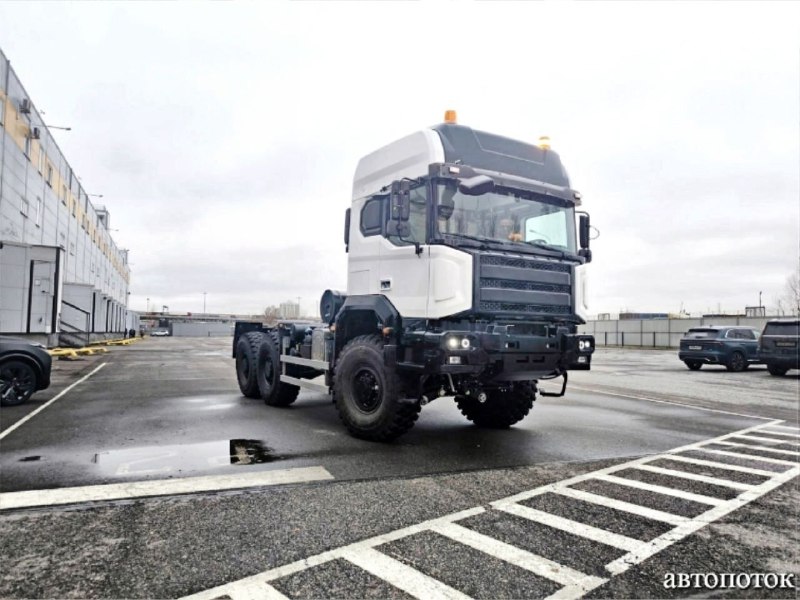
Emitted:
pixel 779 345
pixel 734 347
pixel 24 369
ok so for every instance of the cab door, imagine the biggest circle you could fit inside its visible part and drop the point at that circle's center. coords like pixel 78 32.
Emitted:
pixel 403 271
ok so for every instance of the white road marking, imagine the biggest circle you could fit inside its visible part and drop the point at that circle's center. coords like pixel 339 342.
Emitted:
pixel 760 448
pixel 695 477
pixel 789 427
pixel 781 433
pixel 568 525
pixel 49 402
pixel 517 556
pixel 256 591
pixel 719 465
pixel 754 457
pixel 366 556
pixel 160 487
pixel 634 509
pixel 402 576
pixel 659 401
pixel 763 439
pixel 660 489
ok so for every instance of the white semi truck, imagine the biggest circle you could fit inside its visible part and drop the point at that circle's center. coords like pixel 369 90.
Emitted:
pixel 466 260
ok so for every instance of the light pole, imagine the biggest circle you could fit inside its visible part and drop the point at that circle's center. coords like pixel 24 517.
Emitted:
pixel 759 301
pixel 148 305
pixel 204 303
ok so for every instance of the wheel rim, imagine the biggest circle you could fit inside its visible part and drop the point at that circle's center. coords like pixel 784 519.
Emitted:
pixel 17 383
pixel 367 391
pixel 737 361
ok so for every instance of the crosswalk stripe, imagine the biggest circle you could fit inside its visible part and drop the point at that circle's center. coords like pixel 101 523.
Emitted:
pixel 719 465
pixel 517 556
pixel 695 477
pixel 634 509
pixel 781 433
pixel 760 448
pixel 789 427
pixel 763 439
pixel 401 575
pixel 660 489
pixel 256 590
pixel 753 457
pixel 587 531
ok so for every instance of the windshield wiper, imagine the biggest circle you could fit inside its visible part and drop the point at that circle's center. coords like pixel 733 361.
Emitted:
pixel 477 238
pixel 545 246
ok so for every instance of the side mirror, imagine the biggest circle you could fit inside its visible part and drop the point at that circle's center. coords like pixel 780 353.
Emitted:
pixel 400 201
pixel 347 230
pixel 476 186
pixel 583 231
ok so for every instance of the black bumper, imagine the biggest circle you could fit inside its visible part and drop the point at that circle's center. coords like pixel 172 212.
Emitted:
pixel 495 355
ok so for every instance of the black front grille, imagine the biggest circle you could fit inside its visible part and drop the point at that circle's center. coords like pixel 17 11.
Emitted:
pixel 523 286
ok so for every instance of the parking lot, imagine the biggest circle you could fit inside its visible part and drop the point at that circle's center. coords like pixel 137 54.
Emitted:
pixel 154 477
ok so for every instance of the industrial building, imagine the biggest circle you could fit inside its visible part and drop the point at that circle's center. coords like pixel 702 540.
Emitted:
pixel 63 280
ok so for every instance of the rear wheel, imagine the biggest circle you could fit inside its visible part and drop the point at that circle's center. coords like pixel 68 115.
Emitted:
pixel 272 390
pixel 501 409
pixel 368 396
pixel 694 365
pixel 777 371
pixel 17 382
pixel 737 362
pixel 247 362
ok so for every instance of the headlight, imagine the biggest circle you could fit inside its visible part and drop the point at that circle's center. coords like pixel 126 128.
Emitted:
pixel 453 343
pixel 465 343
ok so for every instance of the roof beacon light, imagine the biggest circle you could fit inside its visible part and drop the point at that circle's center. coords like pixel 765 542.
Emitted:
pixel 450 117
pixel 544 142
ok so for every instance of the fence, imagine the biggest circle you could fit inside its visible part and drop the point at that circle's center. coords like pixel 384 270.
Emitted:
pixel 657 333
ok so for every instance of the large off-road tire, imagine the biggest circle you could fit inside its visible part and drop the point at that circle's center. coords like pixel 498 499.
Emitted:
pixel 694 365
pixel 247 349
pixel 17 382
pixel 777 371
pixel 272 390
pixel 502 408
pixel 368 396
pixel 737 362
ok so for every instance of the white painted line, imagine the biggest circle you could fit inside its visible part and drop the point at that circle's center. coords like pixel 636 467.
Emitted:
pixel 719 465
pixel 517 556
pixel 160 487
pixel 587 531
pixel 781 433
pixel 789 427
pixel 763 439
pixel 256 591
pixel 660 489
pixel 402 576
pixel 760 448
pixel 736 485
pixel 49 402
pixel 634 509
pixel 624 563
pixel 753 457
pixel 658 401
pixel 319 559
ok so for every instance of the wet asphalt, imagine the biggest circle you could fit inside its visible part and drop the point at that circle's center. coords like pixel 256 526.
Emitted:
pixel 170 408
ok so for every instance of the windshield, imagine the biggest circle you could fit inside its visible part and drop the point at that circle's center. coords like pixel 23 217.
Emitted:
pixel 505 215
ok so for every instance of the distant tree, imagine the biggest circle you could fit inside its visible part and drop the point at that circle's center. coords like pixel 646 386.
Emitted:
pixel 271 315
pixel 791 293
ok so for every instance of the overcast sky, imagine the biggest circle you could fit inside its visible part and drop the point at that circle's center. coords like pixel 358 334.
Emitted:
pixel 224 137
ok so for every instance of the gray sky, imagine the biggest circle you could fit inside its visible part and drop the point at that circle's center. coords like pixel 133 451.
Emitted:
pixel 224 137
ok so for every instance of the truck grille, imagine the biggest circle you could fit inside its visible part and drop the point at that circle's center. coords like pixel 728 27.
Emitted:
pixel 522 286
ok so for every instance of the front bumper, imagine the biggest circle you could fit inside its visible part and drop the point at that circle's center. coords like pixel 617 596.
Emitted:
pixel 498 354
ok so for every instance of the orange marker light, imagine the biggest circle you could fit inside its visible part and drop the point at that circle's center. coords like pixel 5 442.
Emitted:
pixel 544 142
pixel 450 116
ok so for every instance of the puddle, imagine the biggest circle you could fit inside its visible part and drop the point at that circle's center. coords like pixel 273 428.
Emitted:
pixel 30 458
pixel 185 457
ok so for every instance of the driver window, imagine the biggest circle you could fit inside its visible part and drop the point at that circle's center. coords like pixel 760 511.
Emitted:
pixel 417 220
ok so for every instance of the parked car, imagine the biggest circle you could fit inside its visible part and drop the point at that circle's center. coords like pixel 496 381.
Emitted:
pixel 24 369
pixel 779 346
pixel 159 332
pixel 736 348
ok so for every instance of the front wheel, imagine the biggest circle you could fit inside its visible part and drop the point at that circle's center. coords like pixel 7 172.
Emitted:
pixel 368 396
pixel 17 382
pixel 501 408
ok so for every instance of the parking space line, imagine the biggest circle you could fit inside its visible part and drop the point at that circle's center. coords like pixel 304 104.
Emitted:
pixel 760 448
pixel 256 591
pixel 49 402
pixel 781 433
pixel 160 487
pixel 695 477
pixel 568 525
pixel 660 489
pixel 789 427
pixel 634 509
pixel 401 575
pixel 754 457
pixel 763 439
pixel 719 465
pixel 517 556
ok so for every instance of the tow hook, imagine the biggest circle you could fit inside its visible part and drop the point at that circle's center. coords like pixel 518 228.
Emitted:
pixel 559 394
